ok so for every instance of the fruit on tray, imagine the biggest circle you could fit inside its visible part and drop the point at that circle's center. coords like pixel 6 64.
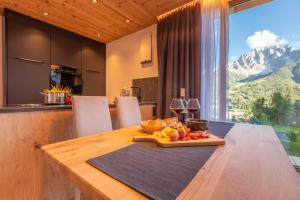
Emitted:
pixel 163 133
pixel 173 135
pixel 179 132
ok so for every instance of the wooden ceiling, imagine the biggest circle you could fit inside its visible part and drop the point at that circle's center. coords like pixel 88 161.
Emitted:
pixel 106 17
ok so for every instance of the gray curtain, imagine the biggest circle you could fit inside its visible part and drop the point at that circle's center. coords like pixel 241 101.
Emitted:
pixel 214 59
pixel 179 56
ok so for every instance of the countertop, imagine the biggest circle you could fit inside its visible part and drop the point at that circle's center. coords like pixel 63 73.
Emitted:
pixel 43 107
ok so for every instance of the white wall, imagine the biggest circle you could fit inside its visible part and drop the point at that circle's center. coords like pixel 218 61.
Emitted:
pixel 123 62
pixel 1 61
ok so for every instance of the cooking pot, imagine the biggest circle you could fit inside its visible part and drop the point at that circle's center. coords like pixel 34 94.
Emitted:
pixel 56 98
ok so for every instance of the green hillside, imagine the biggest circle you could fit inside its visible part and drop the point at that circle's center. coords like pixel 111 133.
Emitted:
pixel 243 94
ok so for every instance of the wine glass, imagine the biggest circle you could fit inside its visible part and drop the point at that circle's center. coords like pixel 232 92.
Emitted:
pixel 177 106
pixel 193 106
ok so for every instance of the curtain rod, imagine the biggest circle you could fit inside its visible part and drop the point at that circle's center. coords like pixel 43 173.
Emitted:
pixel 231 3
pixel 178 8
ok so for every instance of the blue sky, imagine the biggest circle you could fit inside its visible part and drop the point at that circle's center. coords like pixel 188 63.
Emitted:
pixel 280 19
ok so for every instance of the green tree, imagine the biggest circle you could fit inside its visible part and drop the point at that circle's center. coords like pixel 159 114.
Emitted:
pixel 280 109
pixel 260 110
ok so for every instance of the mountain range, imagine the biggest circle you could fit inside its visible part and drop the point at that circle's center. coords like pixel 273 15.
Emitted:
pixel 263 61
pixel 260 73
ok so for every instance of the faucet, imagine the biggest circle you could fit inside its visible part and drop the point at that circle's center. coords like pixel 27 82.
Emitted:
pixel 139 92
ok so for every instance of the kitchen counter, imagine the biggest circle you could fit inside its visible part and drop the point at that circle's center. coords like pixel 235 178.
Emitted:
pixel 43 107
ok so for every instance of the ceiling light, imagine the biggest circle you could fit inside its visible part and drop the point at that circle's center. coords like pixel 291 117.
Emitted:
pixel 127 20
pixel 95 1
pixel 46 14
pixel 98 35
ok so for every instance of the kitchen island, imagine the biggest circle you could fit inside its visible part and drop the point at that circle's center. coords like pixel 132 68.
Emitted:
pixel 23 130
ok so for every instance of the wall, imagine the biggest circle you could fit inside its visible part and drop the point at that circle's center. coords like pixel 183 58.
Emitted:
pixel 123 63
pixel 1 60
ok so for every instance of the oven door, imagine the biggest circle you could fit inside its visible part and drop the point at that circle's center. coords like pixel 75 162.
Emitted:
pixel 62 78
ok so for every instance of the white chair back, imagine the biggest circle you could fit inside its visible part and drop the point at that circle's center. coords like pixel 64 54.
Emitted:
pixel 91 115
pixel 128 110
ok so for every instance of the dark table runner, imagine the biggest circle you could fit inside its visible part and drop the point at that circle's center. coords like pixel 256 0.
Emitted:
pixel 159 173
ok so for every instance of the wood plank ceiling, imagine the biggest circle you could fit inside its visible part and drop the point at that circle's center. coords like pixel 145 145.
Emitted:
pixel 104 21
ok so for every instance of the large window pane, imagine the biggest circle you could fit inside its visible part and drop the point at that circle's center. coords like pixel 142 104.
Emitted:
pixel 264 69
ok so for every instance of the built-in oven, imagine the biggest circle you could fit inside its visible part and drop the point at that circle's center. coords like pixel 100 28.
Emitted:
pixel 63 76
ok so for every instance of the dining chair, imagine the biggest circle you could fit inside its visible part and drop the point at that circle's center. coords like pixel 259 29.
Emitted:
pixel 128 111
pixel 90 115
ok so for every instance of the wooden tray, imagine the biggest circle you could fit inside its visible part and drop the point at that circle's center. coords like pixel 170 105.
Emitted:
pixel 165 142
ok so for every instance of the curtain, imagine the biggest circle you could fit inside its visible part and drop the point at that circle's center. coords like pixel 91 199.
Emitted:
pixel 214 44
pixel 179 55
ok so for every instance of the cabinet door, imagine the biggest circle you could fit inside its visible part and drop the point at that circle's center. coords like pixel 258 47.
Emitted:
pixel 27 38
pixel 66 49
pixel 93 83
pixel 93 55
pixel 93 71
pixel 25 81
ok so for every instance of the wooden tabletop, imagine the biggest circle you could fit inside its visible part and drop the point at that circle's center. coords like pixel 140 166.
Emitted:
pixel 251 165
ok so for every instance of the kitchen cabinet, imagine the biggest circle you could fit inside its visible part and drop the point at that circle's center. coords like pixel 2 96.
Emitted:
pixel 26 38
pixel 93 83
pixel 26 80
pixel 93 55
pixel 65 49
pixel 93 68
pixel 28 59
pixel 32 46
pixel 24 173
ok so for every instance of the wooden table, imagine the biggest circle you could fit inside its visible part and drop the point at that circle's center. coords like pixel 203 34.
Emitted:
pixel 252 165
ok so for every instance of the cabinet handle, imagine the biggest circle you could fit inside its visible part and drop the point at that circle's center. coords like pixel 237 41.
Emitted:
pixel 90 70
pixel 30 60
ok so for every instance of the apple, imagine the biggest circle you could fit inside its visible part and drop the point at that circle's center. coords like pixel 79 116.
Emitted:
pixel 173 135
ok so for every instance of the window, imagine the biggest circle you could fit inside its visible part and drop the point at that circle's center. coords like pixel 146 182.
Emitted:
pixel 264 69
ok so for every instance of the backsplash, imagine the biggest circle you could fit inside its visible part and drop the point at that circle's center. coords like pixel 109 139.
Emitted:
pixel 149 88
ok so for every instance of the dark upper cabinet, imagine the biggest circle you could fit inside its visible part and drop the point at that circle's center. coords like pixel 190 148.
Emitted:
pixel 66 49
pixel 93 83
pixel 93 68
pixel 93 55
pixel 25 81
pixel 26 38
pixel 28 59
pixel 33 45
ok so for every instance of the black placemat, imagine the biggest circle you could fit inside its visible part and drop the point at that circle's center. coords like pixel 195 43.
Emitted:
pixel 159 173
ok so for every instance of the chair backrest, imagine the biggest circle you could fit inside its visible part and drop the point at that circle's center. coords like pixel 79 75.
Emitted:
pixel 90 115
pixel 128 110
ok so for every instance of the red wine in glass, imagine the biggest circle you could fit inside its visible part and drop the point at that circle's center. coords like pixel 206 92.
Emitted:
pixel 176 110
pixel 177 106
pixel 193 106
pixel 193 110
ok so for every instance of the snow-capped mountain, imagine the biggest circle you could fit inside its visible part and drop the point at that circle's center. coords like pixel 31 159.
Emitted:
pixel 263 61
